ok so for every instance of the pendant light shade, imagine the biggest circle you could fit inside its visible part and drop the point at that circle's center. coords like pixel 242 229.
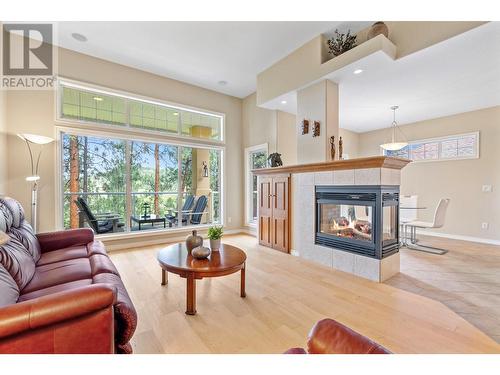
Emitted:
pixel 394 145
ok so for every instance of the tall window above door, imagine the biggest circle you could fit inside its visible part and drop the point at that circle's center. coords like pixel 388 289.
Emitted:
pixel 255 158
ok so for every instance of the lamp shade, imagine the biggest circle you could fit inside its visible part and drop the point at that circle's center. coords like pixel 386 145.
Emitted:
pixel 37 139
pixel 394 146
pixel 3 238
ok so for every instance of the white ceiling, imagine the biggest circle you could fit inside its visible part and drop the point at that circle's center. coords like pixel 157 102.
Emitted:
pixel 458 75
pixel 199 53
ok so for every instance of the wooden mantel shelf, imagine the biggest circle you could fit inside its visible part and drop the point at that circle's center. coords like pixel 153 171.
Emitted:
pixel 359 163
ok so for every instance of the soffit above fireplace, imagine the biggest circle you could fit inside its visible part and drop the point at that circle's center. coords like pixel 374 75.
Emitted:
pixel 359 163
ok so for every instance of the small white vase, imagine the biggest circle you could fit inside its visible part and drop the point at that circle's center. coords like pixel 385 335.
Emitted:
pixel 215 245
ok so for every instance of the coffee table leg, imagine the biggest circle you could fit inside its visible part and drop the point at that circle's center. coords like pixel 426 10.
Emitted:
pixel 242 286
pixel 191 296
pixel 164 277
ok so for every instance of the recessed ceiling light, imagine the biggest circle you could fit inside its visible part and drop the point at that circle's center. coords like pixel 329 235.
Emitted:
pixel 79 37
pixel 358 71
pixel 283 102
pixel 222 83
pixel 98 99
pixel 176 113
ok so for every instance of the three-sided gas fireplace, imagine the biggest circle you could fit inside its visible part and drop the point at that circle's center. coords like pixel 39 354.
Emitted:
pixel 358 219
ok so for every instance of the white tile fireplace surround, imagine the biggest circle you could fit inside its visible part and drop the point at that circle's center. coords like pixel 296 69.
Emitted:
pixel 303 221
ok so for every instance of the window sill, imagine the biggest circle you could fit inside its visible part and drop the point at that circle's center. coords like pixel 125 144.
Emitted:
pixel 151 232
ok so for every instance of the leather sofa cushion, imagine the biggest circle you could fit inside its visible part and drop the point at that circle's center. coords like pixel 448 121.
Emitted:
pixel 6 212
pixel 9 291
pixel 125 313
pixel 5 218
pixel 12 222
pixel 102 264
pixel 17 261
pixel 96 247
pixel 27 237
pixel 59 273
pixel 63 254
pixel 55 289
pixel 15 209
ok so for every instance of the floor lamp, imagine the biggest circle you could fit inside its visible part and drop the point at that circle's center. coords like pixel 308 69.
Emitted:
pixel 32 139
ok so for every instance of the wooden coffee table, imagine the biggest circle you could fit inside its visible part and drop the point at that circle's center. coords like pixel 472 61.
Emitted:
pixel 176 259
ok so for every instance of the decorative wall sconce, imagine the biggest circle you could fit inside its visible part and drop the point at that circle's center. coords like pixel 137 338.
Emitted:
pixel 316 129
pixel 305 126
pixel 205 169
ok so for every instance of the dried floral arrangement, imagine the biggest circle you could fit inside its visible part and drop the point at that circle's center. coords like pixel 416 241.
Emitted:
pixel 341 43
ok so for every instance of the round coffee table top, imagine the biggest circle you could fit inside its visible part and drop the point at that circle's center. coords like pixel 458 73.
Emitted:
pixel 176 259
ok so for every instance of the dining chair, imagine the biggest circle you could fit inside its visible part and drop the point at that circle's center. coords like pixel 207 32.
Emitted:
pixel 438 222
pixel 408 212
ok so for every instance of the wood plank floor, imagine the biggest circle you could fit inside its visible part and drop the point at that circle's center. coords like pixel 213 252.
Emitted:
pixel 466 279
pixel 286 295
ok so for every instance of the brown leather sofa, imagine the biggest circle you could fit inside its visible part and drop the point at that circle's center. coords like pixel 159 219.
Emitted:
pixel 331 337
pixel 59 292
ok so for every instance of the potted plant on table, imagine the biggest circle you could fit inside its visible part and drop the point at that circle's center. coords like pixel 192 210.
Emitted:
pixel 215 234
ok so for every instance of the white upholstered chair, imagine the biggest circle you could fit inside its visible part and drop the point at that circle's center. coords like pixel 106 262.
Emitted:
pixel 438 222
pixel 407 212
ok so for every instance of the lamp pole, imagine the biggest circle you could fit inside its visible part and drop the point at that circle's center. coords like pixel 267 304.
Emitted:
pixel 34 178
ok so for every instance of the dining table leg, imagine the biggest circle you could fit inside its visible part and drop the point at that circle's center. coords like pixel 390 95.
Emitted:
pixel 164 277
pixel 191 295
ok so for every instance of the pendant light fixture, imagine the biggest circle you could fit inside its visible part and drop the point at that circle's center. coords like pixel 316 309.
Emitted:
pixel 393 145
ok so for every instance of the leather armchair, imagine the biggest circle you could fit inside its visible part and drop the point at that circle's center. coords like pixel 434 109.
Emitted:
pixel 331 337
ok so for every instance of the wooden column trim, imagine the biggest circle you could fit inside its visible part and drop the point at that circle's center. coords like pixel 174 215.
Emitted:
pixel 359 163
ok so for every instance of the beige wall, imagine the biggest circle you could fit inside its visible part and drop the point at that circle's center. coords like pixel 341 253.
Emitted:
pixel 281 131
pixel 460 180
pixel 34 112
pixel 317 102
pixel 259 124
pixel 286 137
pixel 351 143
pixel 276 128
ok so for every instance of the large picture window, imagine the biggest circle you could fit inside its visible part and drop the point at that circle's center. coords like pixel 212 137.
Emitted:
pixel 114 184
pixel 117 185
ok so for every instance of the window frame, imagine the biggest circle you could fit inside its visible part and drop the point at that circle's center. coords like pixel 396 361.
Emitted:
pixel 59 212
pixel 439 140
pixel 128 133
pixel 248 182
pixel 78 85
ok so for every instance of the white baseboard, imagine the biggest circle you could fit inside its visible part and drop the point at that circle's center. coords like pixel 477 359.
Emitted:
pixel 157 238
pixel 460 237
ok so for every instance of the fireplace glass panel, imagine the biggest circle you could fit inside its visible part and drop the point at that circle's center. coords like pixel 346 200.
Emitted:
pixel 389 223
pixel 346 221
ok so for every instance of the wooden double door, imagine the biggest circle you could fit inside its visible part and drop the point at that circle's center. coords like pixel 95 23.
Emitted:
pixel 274 212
